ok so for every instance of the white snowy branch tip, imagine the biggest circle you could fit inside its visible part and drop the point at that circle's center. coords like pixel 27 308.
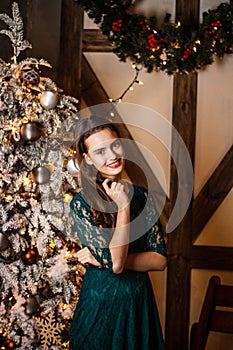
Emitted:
pixel 15 31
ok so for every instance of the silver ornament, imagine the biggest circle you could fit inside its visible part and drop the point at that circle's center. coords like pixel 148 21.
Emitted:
pixel 41 175
pixel 48 99
pixel 73 167
pixel 4 242
pixel 31 131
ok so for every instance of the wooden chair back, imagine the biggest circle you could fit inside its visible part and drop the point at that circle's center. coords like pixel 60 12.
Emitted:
pixel 216 314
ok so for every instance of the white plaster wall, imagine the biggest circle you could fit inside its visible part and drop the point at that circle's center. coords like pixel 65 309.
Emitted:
pixel 214 118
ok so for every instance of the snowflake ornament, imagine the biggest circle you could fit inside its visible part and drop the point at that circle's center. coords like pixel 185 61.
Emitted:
pixel 49 330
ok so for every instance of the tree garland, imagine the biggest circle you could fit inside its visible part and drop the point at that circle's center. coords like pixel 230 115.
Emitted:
pixel 170 48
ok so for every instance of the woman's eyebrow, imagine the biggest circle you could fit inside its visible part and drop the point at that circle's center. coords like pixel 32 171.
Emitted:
pixel 99 149
pixel 104 147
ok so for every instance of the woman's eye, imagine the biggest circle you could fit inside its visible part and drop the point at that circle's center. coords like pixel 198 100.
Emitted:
pixel 117 144
pixel 100 152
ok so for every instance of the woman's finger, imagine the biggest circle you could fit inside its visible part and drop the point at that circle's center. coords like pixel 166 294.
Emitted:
pixel 86 258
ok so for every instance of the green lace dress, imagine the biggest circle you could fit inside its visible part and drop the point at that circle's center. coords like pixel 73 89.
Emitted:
pixel 117 311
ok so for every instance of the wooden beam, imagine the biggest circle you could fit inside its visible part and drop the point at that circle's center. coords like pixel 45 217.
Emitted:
pixel 213 193
pixel 69 77
pixel 92 91
pixel 212 257
pixel 180 240
pixel 95 41
pixel 187 12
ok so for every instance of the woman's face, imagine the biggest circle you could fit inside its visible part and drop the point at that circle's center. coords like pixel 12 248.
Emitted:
pixel 106 153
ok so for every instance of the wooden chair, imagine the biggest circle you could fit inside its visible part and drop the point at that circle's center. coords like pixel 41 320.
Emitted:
pixel 211 317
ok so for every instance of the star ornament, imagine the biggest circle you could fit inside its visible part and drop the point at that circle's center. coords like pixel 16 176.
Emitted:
pixel 48 330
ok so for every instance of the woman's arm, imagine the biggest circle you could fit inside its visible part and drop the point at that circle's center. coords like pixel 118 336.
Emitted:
pixel 146 261
pixel 120 240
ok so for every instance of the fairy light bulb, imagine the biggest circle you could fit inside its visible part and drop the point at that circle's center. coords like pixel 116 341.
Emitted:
pixel 51 244
pixel 67 197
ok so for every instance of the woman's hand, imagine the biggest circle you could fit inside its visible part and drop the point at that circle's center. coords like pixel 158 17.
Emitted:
pixel 117 191
pixel 86 258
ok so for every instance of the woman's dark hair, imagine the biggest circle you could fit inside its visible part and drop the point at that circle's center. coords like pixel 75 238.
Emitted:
pixel 91 180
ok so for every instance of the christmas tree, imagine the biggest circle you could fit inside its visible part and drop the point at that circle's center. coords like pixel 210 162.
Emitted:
pixel 39 273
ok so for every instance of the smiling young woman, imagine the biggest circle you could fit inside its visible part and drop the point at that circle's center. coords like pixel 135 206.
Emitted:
pixel 105 152
pixel 122 240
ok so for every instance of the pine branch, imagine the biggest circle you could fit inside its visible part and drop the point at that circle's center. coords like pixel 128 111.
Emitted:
pixel 5 18
pixel 8 33
pixel 15 32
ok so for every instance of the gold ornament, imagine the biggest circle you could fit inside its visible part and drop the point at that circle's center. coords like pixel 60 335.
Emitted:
pixel 48 330
pixel 176 45
pixel 29 256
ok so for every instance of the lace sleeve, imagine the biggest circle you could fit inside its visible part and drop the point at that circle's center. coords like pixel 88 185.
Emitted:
pixel 89 233
pixel 155 238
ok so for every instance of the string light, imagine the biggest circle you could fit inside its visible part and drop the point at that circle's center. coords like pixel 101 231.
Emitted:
pixel 130 87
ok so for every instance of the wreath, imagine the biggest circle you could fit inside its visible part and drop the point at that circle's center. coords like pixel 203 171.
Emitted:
pixel 172 47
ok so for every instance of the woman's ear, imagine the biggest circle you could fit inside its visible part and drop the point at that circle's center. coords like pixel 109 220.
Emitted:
pixel 87 159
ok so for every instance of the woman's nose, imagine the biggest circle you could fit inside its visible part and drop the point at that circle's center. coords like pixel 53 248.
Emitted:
pixel 111 154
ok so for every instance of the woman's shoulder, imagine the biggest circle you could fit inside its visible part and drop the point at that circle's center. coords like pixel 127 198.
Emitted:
pixel 78 200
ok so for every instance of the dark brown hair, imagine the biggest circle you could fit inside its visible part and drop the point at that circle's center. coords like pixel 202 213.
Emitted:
pixel 91 180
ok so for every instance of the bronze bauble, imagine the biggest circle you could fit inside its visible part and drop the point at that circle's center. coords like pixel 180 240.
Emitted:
pixel 41 175
pixel 4 242
pixel 31 131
